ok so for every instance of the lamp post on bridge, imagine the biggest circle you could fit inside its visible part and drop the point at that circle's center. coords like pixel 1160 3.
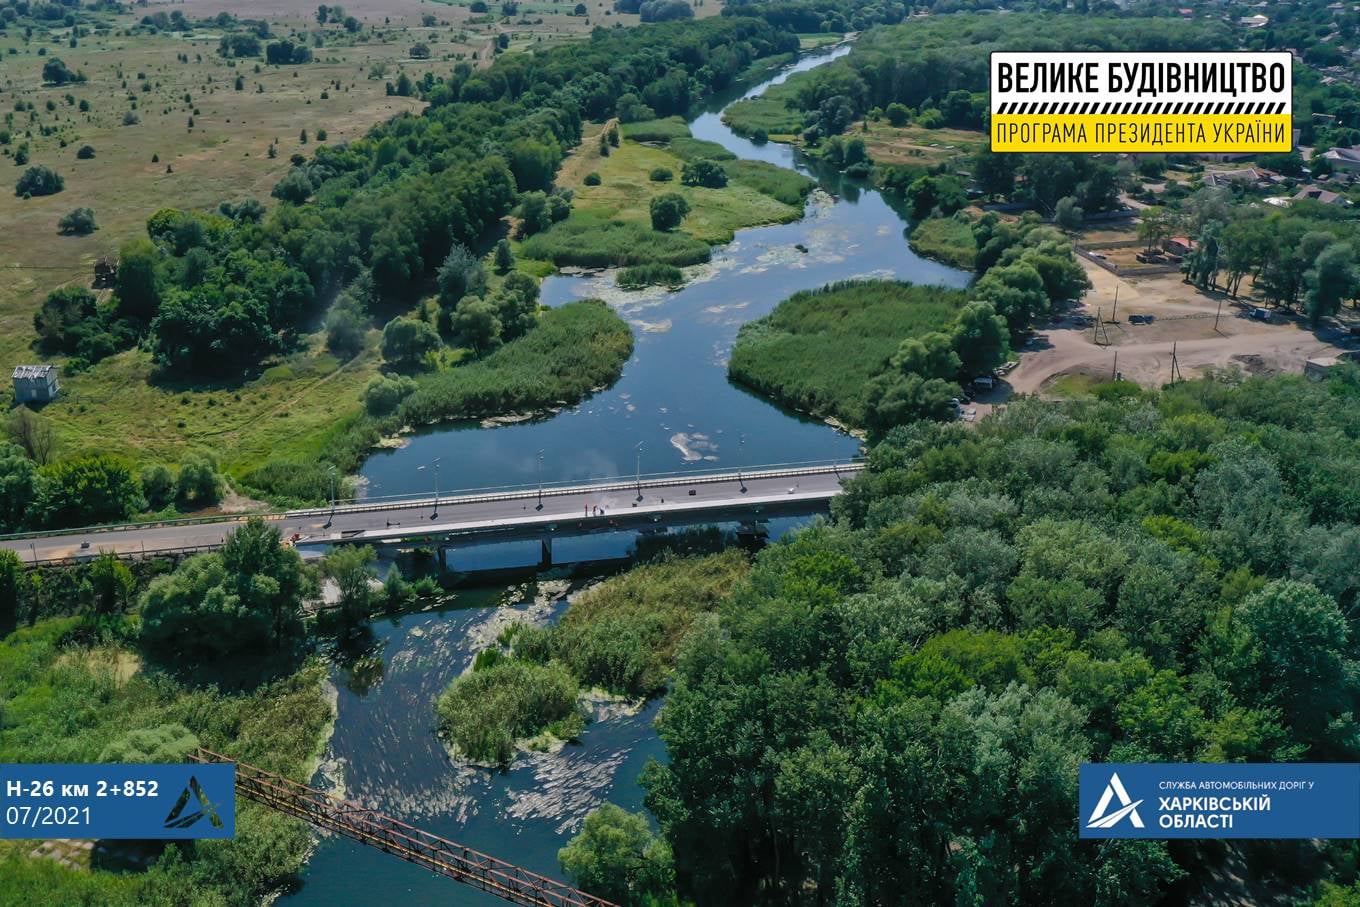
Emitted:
pixel 331 517
pixel 638 473
pixel 741 458
pixel 540 481
pixel 435 464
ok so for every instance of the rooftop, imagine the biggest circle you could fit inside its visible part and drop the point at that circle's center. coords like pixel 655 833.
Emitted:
pixel 33 371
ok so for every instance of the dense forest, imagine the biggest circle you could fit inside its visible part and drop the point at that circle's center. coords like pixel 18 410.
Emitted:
pixel 892 706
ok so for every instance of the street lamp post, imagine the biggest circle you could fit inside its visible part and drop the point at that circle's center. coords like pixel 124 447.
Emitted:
pixel 435 514
pixel 638 472
pixel 741 458
pixel 331 518
pixel 540 481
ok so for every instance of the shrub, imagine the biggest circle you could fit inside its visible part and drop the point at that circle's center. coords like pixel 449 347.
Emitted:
pixel 661 175
pixel 653 274
pixel 79 222
pixel 592 242
pixel 384 393
pixel 592 179
pixel 85 152
pixel 704 173
pixel 484 712
pixel 39 180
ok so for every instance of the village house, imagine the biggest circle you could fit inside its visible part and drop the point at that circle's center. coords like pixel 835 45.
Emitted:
pixel 36 383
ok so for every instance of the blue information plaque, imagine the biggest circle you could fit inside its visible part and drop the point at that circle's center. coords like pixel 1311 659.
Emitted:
pixel 117 801
pixel 1220 800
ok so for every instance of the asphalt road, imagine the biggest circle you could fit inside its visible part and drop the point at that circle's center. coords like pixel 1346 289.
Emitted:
pixel 469 515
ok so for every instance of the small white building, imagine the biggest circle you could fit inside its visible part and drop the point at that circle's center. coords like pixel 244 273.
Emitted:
pixel 36 383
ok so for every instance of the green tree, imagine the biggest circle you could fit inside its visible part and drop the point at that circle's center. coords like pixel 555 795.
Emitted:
pixel 158 485
pixel 198 483
pixel 384 393
pixel 477 322
pixel 616 856
pixel 39 180
pixel 79 222
pixel 460 274
pixel 406 342
pixel 1067 214
pixel 1295 650
pixel 704 172
pixel 113 585
pixel 504 257
pixel 88 490
pixel 1331 279
pixel 980 339
pixel 350 567
pixel 346 328
pixel 244 599
pixel 18 482
pixel 668 210
pixel 11 581
pixel 136 284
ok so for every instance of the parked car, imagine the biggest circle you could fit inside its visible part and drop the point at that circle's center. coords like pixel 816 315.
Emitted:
pixel 1260 314
pixel 1142 319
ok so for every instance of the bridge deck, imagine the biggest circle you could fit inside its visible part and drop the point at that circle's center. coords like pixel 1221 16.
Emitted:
pixel 523 513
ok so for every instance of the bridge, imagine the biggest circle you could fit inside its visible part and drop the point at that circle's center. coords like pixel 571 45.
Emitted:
pixel 368 826
pixel 536 512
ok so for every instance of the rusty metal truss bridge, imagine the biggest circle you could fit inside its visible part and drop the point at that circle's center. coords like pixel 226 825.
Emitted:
pixel 368 826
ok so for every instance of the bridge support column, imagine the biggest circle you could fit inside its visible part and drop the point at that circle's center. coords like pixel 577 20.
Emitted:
pixel 545 558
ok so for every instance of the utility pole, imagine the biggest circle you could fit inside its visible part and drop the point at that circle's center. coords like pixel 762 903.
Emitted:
pixel 638 473
pixel 1217 313
pixel 1114 370
pixel 1175 366
pixel 1114 313
pixel 540 481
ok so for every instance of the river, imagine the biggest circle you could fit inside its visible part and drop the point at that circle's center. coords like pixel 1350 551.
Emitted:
pixel 675 400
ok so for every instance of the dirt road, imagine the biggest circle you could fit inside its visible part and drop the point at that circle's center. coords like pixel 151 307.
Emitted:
pixel 1185 320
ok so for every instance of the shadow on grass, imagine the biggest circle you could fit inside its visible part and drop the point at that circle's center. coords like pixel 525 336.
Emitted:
pixel 238 673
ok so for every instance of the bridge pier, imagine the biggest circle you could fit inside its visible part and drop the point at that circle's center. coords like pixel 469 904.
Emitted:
pixel 545 558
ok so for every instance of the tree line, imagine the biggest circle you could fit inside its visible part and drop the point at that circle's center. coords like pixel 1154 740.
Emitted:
pixel 1135 576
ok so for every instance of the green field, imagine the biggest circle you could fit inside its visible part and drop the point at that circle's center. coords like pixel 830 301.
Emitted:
pixel 818 349
pixel 118 406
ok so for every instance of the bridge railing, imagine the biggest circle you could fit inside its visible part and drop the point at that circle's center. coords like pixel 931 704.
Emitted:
pixel 439 855
pixel 470 496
